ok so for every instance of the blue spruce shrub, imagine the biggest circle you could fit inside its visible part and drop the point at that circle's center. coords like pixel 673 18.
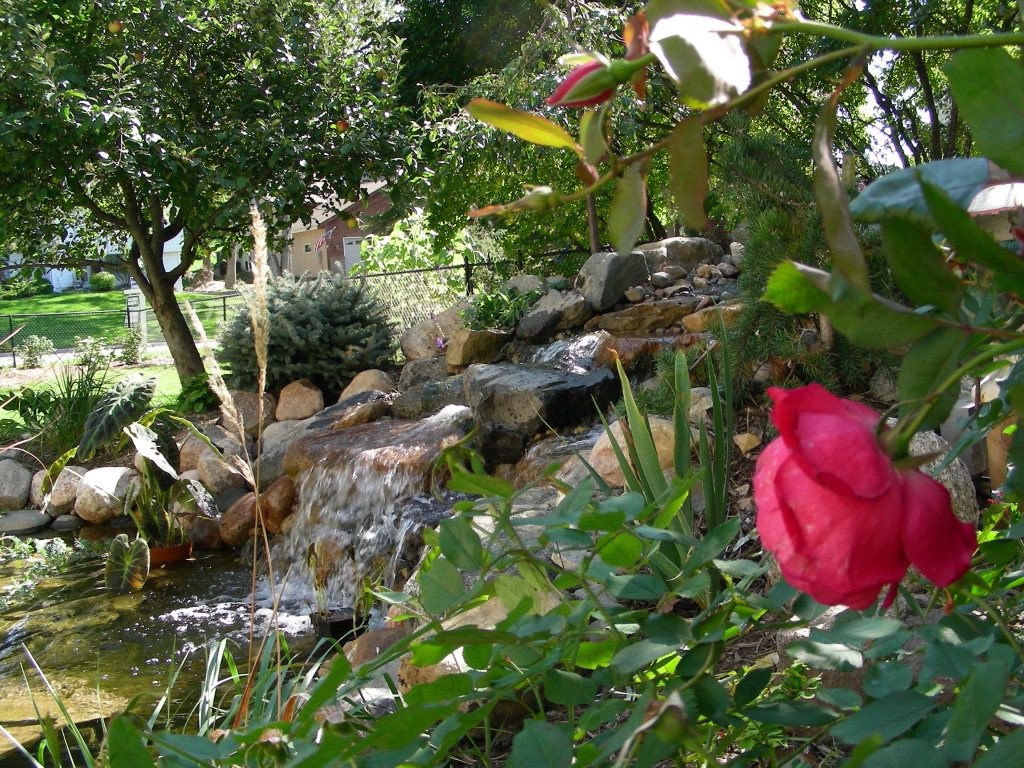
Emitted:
pixel 322 327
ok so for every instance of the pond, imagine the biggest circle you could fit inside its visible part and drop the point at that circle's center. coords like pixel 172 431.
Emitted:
pixel 99 650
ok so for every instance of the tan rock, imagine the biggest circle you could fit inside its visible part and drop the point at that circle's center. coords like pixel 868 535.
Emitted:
pixel 239 522
pixel 62 494
pixel 247 404
pixel 707 319
pixel 218 475
pixel 363 413
pixel 102 491
pixel 467 346
pixel 205 534
pixel 368 381
pixel 603 460
pixel 299 400
pixel 420 341
pixel 372 644
pixel 278 502
pixel 643 318
pixel 632 350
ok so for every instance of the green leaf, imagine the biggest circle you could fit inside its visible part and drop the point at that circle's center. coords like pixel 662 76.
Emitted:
pixel 870 321
pixel 146 443
pixel 886 678
pixel 858 631
pixel 886 718
pixel 124 403
pixel 1008 752
pixel 688 171
pixel 841 698
pixel 703 55
pixel 912 753
pixel 973 244
pixel 592 136
pixel 569 688
pixel 635 656
pixel 125 745
pixel 713 544
pixel 440 586
pixel 481 485
pixel 531 128
pixel 798 713
pixel 750 687
pixel 599 520
pixel 640 586
pixel 620 549
pixel 825 655
pixel 628 212
pixel 919 267
pixel 975 705
pixel 461 544
pixel 988 87
pixel 931 360
pixel 541 741
pixel 127 566
pixel 444 688
pixel 898 194
pixel 405 725
pixel 833 204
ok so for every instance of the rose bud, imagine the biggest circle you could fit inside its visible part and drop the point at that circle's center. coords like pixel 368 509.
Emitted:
pixel 587 84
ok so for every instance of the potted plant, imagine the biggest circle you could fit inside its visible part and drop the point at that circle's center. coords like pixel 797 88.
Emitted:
pixel 153 507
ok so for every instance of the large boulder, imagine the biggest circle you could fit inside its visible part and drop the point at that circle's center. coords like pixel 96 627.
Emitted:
pixel 512 403
pixel 247 406
pixel 644 318
pixel 219 476
pixel 299 400
pixel 604 278
pixel 392 447
pixel 373 380
pixel 239 521
pixel 605 462
pixel 269 466
pixel 22 521
pixel 539 323
pixel 686 252
pixel 713 317
pixel 423 370
pixel 421 340
pixel 635 351
pixel 102 491
pixel 467 346
pixel 429 397
pixel 226 442
pixel 277 503
pixel 62 494
pixel 15 484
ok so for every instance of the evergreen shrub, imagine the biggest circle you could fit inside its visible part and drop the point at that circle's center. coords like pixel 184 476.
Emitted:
pixel 322 327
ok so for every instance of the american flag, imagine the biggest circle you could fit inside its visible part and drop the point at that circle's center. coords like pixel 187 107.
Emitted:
pixel 323 240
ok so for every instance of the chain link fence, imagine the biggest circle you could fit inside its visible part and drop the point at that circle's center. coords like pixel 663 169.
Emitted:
pixel 409 297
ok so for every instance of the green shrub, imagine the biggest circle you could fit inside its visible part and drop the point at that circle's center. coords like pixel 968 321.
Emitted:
pixel 102 281
pixel 322 328
pixel 88 349
pixel 133 344
pixel 24 289
pixel 503 308
pixel 33 349
pixel 196 396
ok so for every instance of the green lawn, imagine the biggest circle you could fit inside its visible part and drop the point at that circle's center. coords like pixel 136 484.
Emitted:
pixel 102 316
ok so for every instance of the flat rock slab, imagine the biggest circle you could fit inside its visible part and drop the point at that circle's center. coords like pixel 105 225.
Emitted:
pixel 68 523
pixel 24 521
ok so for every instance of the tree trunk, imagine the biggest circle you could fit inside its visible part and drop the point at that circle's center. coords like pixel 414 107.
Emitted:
pixel 187 360
pixel 231 271
pixel 593 234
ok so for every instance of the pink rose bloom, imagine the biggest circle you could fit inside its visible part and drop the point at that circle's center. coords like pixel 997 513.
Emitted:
pixel 587 84
pixel 842 521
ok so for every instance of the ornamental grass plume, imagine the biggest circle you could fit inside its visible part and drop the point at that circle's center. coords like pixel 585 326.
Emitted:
pixel 842 521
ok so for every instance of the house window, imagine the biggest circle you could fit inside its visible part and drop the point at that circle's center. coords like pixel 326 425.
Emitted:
pixel 307 248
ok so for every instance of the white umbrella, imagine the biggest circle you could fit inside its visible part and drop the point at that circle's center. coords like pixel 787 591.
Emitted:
pixel 997 198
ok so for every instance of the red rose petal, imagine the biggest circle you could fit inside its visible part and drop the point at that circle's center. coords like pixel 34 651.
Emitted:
pixel 938 544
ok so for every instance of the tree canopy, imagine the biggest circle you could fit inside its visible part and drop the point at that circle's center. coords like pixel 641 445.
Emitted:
pixel 121 122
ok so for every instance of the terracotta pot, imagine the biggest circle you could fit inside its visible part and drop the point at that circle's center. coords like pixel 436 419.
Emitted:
pixel 172 554
pixel 337 624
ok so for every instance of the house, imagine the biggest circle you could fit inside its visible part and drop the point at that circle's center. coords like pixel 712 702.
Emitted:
pixel 333 238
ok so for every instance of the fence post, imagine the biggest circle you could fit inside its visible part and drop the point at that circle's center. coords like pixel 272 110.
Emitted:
pixel 10 329
pixel 469 274
pixel 224 308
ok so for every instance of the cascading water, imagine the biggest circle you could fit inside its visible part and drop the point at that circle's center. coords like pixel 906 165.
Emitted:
pixel 361 509
pixel 574 355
